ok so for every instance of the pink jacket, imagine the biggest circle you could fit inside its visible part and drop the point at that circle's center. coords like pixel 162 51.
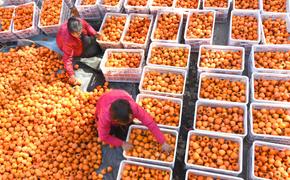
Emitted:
pixel 104 122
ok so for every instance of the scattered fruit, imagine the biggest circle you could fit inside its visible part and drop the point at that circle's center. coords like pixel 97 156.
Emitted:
pixel 50 12
pixel 221 59
pixel 214 152
pixel 146 146
pixel 223 89
pixel 200 25
pixel 246 4
pixel 6 15
pixel 272 60
pixel 275 5
pixel 189 4
pixel 163 82
pixel 89 2
pixel 138 30
pixel 163 3
pixel 169 56
pixel 216 3
pixel 220 119
pixel 245 28
pixel 163 111
pixel 275 31
pixel 123 59
pixel 167 26
pixel 23 18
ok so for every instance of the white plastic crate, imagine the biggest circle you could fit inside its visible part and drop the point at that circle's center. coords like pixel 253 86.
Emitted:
pixel 112 9
pixel 266 76
pixel 124 162
pixel 156 9
pixel 131 45
pixel 175 100
pixel 219 70
pixel 109 44
pixel 151 161
pixel 259 4
pixel 244 79
pixel 266 137
pixel 233 138
pixel 221 13
pixel 196 42
pixel 263 11
pixel 88 11
pixel 186 10
pixel 178 37
pixel 171 46
pixel 209 174
pixel 162 70
pixel 136 9
pixel 251 156
pixel 208 103
pixel 113 74
pixel 33 30
pixel 8 36
pixel 285 17
pixel 247 44
pixel 267 48
pixel 17 2
pixel 52 29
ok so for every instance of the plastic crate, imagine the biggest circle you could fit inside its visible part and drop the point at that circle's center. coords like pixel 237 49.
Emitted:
pixel 171 46
pixel 284 16
pixel 112 9
pixel 113 74
pixel 52 29
pixel 209 174
pixel 88 11
pixel 176 100
pixel 267 76
pixel 17 2
pixel 251 156
pixel 225 76
pixel 196 42
pixel 33 30
pixel 287 7
pixel 259 4
pixel 124 162
pixel 186 10
pixel 8 36
pixel 247 44
pixel 221 13
pixel 151 161
pixel 178 37
pixel 267 48
pixel 237 139
pixel 219 70
pixel 225 105
pixel 162 70
pixel 136 9
pixel 156 9
pixel 132 45
pixel 266 137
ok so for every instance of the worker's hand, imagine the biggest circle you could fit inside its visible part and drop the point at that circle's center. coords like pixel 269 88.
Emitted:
pixel 73 81
pixel 127 146
pixel 75 12
pixel 166 148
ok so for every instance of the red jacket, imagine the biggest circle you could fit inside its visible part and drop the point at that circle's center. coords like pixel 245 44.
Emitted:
pixel 104 122
pixel 71 46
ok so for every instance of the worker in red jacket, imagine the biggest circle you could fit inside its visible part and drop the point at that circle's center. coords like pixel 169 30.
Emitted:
pixel 76 38
pixel 115 112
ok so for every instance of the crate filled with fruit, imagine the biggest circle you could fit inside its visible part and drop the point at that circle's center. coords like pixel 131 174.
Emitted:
pixel 199 29
pixel 187 5
pixel 122 65
pixel 221 59
pixel 160 5
pixel 137 170
pixel 88 9
pixel 214 152
pixel 52 15
pixel 147 149
pixel 137 33
pixel 6 22
pixel 25 20
pixel 203 175
pixel 221 7
pixel 163 81
pixel 110 6
pixel 137 6
pixel 166 111
pixel 167 27
pixel 246 4
pixel 275 6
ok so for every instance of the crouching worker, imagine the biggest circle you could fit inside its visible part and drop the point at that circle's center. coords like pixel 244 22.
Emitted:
pixel 115 112
pixel 76 38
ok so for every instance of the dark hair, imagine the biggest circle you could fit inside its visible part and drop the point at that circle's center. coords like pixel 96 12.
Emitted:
pixel 120 110
pixel 74 25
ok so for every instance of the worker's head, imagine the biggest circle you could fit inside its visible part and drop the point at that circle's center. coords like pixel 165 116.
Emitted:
pixel 121 112
pixel 74 27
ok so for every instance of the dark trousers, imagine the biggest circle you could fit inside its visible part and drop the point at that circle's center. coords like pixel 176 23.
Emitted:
pixel 120 131
pixel 90 47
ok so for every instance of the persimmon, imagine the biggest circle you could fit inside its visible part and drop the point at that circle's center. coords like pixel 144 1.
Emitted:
pixel 88 2
pixel 123 60
pixel 23 18
pixel 216 3
pixel 275 31
pixel 200 25
pixel 50 12
pixel 6 14
pixel 245 27
pixel 275 5
pixel 272 60
pixel 167 26
pixel 246 4
pixel 190 4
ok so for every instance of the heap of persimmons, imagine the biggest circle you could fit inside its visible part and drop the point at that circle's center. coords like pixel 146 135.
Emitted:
pixel 46 126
